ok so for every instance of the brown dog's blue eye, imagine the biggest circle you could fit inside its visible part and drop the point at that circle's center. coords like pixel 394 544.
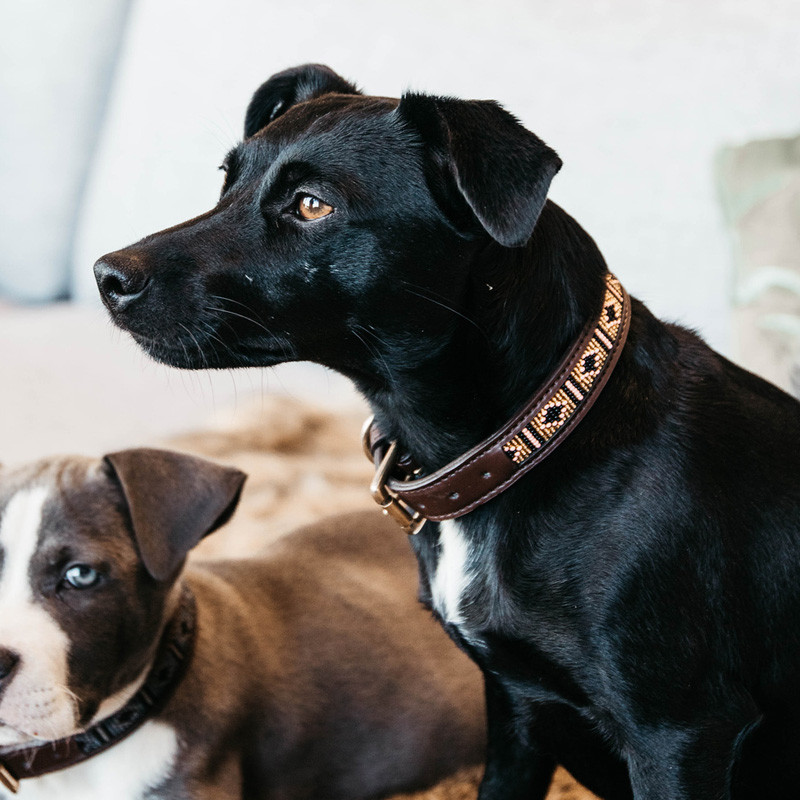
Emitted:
pixel 311 208
pixel 81 576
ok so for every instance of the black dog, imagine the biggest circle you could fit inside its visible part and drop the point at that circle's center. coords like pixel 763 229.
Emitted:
pixel 634 601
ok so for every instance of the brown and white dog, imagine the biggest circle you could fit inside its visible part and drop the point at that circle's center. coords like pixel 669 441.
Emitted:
pixel 312 671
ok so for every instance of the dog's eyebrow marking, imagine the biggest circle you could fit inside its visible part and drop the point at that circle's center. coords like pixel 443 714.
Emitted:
pixel 19 538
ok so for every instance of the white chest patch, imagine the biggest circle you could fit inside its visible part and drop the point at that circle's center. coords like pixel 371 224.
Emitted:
pixel 127 771
pixel 452 576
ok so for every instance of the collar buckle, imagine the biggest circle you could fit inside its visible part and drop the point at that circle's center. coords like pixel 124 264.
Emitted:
pixel 410 521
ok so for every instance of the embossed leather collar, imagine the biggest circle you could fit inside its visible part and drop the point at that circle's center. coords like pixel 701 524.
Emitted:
pixel 169 667
pixel 497 462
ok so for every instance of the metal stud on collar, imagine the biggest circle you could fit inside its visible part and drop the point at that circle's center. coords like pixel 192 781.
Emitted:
pixel 8 780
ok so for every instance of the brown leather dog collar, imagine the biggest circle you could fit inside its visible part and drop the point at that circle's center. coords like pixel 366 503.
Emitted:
pixel 526 440
pixel 169 667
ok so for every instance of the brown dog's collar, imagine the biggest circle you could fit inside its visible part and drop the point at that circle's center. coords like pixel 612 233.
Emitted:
pixel 497 462
pixel 169 667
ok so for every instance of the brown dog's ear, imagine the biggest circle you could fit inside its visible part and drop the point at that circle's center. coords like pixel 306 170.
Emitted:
pixel 174 501
pixel 287 88
pixel 500 168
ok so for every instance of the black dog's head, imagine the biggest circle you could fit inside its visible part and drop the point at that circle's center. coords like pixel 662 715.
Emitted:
pixel 343 234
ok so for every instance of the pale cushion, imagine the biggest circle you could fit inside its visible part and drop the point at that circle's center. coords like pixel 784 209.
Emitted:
pixel 760 190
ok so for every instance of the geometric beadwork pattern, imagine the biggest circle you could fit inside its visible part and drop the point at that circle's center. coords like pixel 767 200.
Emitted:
pixel 565 400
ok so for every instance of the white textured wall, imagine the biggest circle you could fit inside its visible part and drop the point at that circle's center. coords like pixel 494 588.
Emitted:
pixel 56 60
pixel 635 95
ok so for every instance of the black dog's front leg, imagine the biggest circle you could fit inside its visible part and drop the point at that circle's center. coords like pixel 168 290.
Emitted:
pixel 692 763
pixel 516 769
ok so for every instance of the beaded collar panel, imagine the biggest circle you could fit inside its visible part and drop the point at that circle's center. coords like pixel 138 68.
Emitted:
pixel 526 440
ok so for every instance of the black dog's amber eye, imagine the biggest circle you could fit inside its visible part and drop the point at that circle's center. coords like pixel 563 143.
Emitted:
pixel 310 207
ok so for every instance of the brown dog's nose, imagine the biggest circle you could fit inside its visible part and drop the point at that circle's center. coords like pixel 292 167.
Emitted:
pixel 119 282
pixel 8 662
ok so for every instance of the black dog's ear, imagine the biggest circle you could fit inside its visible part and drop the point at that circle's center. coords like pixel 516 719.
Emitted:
pixel 502 170
pixel 174 501
pixel 285 89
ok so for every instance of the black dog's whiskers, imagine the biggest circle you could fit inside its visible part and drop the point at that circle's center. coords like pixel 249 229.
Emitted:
pixel 212 337
pixel 224 350
pixel 222 322
pixel 442 305
pixel 251 320
pixel 204 363
pixel 185 351
pixel 222 298
pixel 200 353
pixel 372 350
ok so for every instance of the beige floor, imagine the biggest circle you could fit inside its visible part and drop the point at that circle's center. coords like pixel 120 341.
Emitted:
pixel 70 382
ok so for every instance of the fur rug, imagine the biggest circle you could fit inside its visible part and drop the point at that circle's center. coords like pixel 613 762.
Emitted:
pixel 304 464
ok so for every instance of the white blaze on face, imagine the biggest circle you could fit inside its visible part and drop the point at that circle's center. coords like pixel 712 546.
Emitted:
pixel 35 702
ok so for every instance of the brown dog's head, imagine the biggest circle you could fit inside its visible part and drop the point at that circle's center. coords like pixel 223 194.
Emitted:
pixel 89 553
pixel 343 235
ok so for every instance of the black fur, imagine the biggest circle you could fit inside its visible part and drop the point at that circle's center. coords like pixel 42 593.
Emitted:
pixel 509 169
pixel 287 88
pixel 635 600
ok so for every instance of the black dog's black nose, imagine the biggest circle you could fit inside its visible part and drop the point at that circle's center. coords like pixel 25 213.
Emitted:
pixel 119 281
pixel 8 662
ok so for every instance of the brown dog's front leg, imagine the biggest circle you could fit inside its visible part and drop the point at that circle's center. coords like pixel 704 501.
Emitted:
pixel 516 769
